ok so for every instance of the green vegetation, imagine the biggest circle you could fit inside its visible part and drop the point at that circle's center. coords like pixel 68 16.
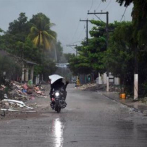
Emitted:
pixel 126 52
pixel 40 32
pixel 33 40
pixel 123 55
pixel 10 67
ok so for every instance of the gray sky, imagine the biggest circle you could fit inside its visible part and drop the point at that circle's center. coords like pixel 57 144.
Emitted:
pixel 65 14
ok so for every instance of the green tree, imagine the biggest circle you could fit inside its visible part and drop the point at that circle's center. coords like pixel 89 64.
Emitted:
pixel 139 19
pixel 69 56
pixel 2 40
pixel 119 57
pixel 18 40
pixel 41 33
pixel 18 29
pixel 20 26
pixel 10 66
pixel 79 65
pixel 90 56
pixel 17 32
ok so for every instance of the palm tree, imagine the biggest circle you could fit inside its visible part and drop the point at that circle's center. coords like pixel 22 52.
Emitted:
pixel 40 33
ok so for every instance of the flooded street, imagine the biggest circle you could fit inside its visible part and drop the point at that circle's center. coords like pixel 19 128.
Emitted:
pixel 73 73
pixel 89 120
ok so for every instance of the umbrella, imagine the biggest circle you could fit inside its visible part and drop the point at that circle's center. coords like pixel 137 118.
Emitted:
pixel 54 78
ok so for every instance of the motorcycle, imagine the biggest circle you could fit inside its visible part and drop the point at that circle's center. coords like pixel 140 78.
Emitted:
pixel 58 101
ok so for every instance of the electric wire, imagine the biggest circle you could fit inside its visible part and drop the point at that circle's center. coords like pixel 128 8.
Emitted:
pixel 99 5
pixel 79 21
pixel 123 14
pixel 107 5
pixel 103 10
pixel 98 18
pixel 76 30
pixel 91 5
pixel 79 37
pixel 81 34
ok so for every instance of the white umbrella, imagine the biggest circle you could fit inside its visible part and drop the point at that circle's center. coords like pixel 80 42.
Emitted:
pixel 55 77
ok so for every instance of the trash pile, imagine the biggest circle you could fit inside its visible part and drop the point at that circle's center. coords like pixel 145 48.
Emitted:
pixel 89 86
pixel 116 88
pixel 12 97
pixel 100 87
pixel 26 91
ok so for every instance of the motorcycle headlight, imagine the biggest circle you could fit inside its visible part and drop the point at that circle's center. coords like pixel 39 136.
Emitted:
pixel 57 94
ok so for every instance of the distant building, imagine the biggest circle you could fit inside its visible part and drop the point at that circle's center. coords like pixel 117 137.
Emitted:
pixel 62 65
pixel 27 66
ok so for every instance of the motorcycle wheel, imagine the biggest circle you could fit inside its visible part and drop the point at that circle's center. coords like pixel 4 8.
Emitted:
pixel 58 109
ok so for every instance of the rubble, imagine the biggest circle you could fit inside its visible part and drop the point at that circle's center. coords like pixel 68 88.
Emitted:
pixel 100 87
pixel 14 99
pixel 92 87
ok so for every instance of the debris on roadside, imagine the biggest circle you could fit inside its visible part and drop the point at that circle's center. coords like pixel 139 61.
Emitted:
pixel 14 105
pixel 99 87
pixel 89 86
pixel 14 98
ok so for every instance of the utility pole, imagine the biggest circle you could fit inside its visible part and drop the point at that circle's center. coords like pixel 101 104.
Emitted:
pixel 136 74
pixel 86 29
pixel 71 46
pixel 107 32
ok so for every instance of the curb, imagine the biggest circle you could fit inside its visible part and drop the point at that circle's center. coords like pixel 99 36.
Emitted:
pixel 129 106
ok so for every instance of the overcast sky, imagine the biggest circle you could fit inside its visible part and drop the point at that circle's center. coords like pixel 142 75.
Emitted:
pixel 66 14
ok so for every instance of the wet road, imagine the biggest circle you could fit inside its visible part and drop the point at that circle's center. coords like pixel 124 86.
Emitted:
pixel 90 120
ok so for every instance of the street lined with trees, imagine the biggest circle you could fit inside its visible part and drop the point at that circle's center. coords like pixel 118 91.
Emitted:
pixel 125 56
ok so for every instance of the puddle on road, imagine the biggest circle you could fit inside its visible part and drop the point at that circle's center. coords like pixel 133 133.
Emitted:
pixel 57 130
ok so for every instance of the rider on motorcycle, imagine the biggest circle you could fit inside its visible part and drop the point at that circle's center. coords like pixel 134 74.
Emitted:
pixel 58 85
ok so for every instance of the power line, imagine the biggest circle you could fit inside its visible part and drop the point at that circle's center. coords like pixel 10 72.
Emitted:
pixel 75 31
pixel 107 21
pixel 107 5
pixel 86 29
pixel 99 5
pixel 77 42
pixel 81 33
pixel 79 22
pixel 91 5
pixel 98 17
pixel 123 14
pixel 78 38
pixel 103 9
pixel 72 45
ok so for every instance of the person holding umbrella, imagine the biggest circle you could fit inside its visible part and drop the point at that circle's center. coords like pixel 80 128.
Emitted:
pixel 56 82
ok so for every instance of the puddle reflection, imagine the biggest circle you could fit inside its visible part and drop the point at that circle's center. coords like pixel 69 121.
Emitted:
pixel 58 132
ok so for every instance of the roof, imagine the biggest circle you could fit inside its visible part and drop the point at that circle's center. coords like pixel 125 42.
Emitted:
pixel 5 53
pixel 29 62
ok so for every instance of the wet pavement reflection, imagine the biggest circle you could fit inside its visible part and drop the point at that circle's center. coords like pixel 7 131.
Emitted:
pixel 57 130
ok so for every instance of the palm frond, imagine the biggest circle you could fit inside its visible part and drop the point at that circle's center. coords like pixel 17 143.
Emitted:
pixel 40 38
pixel 33 33
pixel 36 40
pixel 41 35
pixel 47 26
pixel 47 44
pixel 53 33
pixel 34 29
pixel 49 36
